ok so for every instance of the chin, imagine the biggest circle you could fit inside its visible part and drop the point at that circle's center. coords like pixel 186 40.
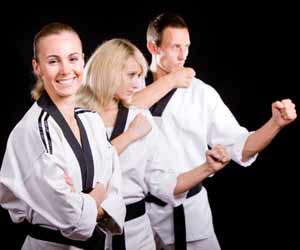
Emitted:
pixel 127 100
pixel 177 67
pixel 66 93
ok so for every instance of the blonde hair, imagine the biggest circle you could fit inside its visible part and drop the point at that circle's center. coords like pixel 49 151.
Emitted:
pixel 103 72
pixel 49 29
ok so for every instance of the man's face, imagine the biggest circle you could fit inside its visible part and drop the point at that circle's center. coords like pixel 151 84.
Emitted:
pixel 173 50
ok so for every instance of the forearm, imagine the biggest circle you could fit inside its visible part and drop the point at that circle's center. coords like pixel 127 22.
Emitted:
pixel 187 180
pixel 148 96
pixel 122 141
pixel 260 139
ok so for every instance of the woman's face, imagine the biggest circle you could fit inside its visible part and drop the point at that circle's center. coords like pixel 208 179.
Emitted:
pixel 60 64
pixel 131 80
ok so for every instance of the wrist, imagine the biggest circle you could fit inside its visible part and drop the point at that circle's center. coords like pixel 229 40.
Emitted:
pixel 274 125
pixel 167 82
pixel 208 169
pixel 101 214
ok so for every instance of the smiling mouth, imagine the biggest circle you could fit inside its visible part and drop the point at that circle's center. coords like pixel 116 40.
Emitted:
pixel 66 81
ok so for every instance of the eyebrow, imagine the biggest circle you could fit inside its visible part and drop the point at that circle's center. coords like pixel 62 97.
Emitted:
pixel 72 54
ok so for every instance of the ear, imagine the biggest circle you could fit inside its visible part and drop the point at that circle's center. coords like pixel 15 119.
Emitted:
pixel 35 66
pixel 152 47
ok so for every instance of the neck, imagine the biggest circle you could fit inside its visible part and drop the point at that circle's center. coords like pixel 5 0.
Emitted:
pixel 157 71
pixel 66 105
pixel 109 113
pixel 113 105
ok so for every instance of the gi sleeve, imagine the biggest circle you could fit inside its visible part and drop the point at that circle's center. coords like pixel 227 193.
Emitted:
pixel 224 129
pixel 114 204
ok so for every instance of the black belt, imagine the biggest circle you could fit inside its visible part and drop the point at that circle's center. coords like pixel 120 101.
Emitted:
pixel 178 216
pixel 96 241
pixel 133 211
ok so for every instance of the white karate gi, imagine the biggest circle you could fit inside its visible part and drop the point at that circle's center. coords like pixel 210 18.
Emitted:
pixel 194 118
pixel 144 169
pixel 32 185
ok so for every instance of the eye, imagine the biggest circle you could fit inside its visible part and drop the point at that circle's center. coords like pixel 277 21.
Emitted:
pixel 131 74
pixel 74 59
pixel 52 61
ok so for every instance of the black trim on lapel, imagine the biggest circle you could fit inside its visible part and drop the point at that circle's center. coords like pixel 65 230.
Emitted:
pixel 120 122
pixel 84 154
pixel 158 108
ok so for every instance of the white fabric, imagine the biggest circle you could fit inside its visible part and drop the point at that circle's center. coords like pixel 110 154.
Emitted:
pixel 32 184
pixel 210 243
pixel 145 169
pixel 194 118
pixel 138 234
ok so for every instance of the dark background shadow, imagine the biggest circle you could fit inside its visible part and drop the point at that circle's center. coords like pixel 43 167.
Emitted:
pixel 246 53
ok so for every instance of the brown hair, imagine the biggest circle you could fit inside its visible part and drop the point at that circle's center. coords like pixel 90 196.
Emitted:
pixel 158 24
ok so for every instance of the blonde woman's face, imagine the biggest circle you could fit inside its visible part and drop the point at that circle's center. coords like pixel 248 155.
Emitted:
pixel 60 64
pixel 131 80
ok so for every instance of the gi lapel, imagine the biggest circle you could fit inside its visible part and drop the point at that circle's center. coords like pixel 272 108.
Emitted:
pixel 158 108
pixel 84 154
pixel 120 122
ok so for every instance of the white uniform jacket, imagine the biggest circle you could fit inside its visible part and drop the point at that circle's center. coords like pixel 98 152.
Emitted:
pixel 144 169
pixel 194 118
pixel 38 155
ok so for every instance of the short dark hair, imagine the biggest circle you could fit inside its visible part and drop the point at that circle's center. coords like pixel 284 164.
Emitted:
pixel 158 24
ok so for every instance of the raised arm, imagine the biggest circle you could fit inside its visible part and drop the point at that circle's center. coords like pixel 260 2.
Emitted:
pixel 283 113
pixel 137 129
pixel 148 96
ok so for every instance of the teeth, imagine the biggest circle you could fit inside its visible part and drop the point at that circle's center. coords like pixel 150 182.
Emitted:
pixel 65 81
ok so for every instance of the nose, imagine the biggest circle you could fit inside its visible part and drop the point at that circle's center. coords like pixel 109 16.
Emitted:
pixel 65 67
pixel 182 54
pixel 136 83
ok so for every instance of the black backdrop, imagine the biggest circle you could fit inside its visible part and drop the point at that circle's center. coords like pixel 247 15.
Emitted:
pixel 248 53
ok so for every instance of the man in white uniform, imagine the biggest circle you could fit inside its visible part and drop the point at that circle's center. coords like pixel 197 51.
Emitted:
pixel 192 119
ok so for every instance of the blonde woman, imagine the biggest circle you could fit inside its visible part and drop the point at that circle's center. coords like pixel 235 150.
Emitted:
pixel 112 75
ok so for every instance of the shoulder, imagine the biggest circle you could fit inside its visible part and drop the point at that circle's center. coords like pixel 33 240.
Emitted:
pixel 201 85
pixel 80 110
pixel 204 89
pixel 87 115
pixel 32 121
pixel 91 120
pixel 32 133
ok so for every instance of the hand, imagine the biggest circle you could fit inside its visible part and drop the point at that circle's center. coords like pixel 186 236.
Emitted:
pixel 283 112
pixel 139 127
pixel 181 78
pixel 69 182
pixel 217 158
pixel 98 193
